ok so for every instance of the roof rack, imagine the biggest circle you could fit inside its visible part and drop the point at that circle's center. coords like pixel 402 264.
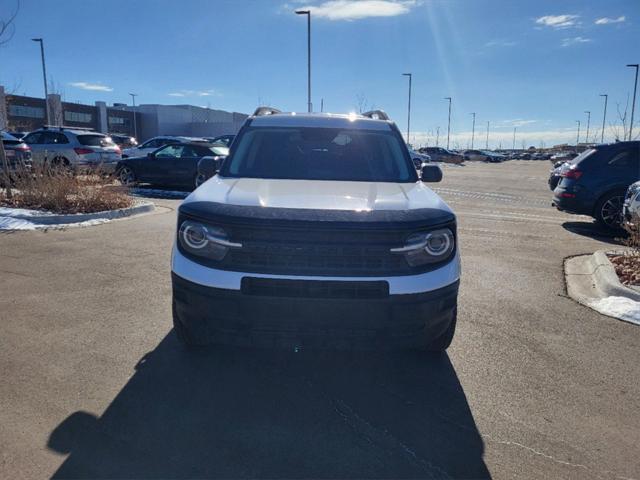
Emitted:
pixel 65 127
pixel 376 114
pixel 260 111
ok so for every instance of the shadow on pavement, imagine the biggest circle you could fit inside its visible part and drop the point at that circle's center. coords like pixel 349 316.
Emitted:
pixel 593 230
pixel 232 413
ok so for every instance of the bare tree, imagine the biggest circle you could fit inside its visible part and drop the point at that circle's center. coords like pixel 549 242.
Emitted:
pixel 7 30
pixel 362 104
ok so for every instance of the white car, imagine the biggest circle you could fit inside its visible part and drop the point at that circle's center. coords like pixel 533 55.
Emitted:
pixel 631 208
pixel 317 231
pixel 155 143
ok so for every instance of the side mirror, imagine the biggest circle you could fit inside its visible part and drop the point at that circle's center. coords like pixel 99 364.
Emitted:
pixel 431 173
pixel 417 162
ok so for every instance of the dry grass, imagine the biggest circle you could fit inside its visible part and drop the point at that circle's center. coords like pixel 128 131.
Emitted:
pixel 61 191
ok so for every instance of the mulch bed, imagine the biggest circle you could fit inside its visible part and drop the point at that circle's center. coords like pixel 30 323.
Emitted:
pixel 628 268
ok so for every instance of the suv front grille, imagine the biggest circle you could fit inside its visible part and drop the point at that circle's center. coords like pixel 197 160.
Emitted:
pixel 317 250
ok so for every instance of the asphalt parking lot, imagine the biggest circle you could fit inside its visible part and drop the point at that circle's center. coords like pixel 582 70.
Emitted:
pixel 94 383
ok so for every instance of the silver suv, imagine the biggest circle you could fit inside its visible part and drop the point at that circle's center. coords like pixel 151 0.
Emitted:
pixel 73 147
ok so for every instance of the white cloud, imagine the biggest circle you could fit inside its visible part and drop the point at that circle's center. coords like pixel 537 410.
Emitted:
pixel 358 9
pixel 195 93
pixel 608 20
pixel 504 138
pixel 567 42
pixel 517 122
pixel 501 43
pixel 558 21
pixel 91 86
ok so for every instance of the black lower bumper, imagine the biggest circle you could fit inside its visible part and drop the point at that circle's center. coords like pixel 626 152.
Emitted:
pixel 264 318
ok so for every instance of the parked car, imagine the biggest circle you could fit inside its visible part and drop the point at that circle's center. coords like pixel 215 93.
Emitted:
pixel 73 147
pixel 419 159
pixel 124 141
pixel 317 232
pixel 474 156
pixel 597 181
pixel 155 143
pixel 173 165
pixel 17 152
pixel 631 207
pixel 225 140
pixel 439 154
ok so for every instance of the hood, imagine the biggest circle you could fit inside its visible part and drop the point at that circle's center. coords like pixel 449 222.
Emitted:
pixel 317 194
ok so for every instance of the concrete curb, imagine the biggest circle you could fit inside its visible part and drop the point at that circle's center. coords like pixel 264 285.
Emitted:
pixel 66 219
pixel 592 281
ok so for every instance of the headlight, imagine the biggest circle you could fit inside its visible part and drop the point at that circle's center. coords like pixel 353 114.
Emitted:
pixel 633 189
pixel 428 247
pixel 204 240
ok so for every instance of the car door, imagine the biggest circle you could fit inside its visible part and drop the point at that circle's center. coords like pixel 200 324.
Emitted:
pixel 184 168
pixel 163 167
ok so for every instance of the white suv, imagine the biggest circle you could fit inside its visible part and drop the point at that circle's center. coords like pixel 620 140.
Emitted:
pixel 317 231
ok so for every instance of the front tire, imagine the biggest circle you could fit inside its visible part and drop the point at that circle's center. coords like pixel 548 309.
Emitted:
pixel 608 211
pixel 181 331
pixel 127 176
pixel 200 179
pixel 441 343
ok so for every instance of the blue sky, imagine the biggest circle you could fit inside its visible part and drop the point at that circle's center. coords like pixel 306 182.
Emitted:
pixel 537 65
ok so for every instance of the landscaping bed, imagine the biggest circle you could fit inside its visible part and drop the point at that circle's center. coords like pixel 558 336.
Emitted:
pixel 628 268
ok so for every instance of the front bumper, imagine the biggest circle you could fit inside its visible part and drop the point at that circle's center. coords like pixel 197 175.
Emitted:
pixel 217 307
pixel 214 315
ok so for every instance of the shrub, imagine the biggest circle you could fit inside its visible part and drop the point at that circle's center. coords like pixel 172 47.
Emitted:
pixel 61 190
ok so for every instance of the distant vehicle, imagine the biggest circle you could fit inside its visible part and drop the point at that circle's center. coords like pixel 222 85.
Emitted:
pixel 597 181
pixel 475 156
pixel 73 147
pixel 124 141
pixel 631 207
pixel 439 154
pixel 564 156
pixel 17 152
pixel 419 159
pixel 156 142
pixel 494 157
pixel 173 165
pixel 225 140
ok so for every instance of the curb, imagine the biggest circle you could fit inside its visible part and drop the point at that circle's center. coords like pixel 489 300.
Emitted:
pixel 66 219
pixel 591 280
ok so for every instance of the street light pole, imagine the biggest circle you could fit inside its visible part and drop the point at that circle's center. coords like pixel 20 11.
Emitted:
pixel 578 137
pixel 135 123
pixel 604 115
pixel 513 147
pixel 44 76
pixel 410 75
pixel 588 123
pixel 633 105
pixel 487 143
pixel 308 14
pixel 437 136
pixel 449 122
pixel 473 129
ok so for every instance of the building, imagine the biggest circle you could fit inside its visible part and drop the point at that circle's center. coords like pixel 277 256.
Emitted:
pixel 23 114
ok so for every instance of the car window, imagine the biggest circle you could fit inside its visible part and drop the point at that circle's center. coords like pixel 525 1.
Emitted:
pixel 153 143
pixel 170 151
pixel 189 151
pixel 53 138
pixel 321 154
pixel 95 140
pixel 33 138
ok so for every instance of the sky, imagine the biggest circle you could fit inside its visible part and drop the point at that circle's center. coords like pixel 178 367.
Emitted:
pixel 533 65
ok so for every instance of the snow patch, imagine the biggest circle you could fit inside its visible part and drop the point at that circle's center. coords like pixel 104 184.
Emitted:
pixel 619 307
pixel 11 223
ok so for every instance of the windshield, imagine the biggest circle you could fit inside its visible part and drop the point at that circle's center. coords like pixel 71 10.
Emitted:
pixel 321 154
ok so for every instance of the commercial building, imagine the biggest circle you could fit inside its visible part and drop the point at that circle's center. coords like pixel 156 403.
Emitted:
pixel 23 114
